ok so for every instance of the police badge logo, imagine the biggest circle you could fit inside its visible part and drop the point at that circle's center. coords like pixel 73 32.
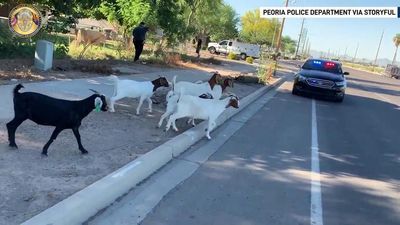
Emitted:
pixel 25 21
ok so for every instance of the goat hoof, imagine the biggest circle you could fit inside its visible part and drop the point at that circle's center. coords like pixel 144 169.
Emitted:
pixel 44 154
pixel 13 146
pixel 84 152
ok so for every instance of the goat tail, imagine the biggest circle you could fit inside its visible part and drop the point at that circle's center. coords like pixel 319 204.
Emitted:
pixel 17 88
pixel 115 83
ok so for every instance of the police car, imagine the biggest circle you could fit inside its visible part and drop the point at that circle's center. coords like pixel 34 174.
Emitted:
pixel 321 77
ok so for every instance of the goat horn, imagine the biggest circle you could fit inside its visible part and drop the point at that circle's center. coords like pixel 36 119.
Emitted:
pixel 94 91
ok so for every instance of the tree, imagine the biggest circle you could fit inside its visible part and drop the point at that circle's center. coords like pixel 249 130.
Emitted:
pixel 288 44
pixel 194 5
pixel 258 30
pixel 127 13
pixel 170 17
pixel 217 21
pixel 396 41
pixel 61 14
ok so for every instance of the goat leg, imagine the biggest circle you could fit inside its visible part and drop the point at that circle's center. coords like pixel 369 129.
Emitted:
pixel 53 137
pixel 140 105
pixel 150 104
pixel 78 139
pixel 112 102
pixel 163 116
pixel 11 129
pixel 210 127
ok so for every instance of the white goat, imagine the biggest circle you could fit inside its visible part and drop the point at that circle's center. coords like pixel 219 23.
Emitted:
pixel 171 100
pixel 195 89
pixel 216 93
pixel 135 89
pixel 188 88
pixel 199 108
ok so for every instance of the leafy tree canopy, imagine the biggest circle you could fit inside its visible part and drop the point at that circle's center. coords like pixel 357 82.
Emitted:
pixel 258 30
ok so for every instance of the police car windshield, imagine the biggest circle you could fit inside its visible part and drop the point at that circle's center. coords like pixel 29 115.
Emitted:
pixel 325 66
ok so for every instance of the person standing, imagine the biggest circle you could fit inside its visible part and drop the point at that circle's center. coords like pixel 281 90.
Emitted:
pixel 139 36
pixel 198 47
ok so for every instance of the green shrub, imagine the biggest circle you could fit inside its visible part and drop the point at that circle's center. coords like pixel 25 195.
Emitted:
pixel 60 50
pixel 231 55
pixel 250 59
pixel 15 47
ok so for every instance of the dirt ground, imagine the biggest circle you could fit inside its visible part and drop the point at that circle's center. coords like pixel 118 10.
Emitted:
pixel 30 183
pixel 24 71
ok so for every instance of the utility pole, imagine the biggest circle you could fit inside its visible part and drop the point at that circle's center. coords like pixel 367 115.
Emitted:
pixel 298 43
pixel 355 54
pixel 273 36
pixel 379 47
pixel 278 46
pixel 345 52
pixel 304 47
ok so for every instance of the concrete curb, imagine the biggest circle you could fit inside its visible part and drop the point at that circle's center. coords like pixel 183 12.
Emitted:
pixel 82 205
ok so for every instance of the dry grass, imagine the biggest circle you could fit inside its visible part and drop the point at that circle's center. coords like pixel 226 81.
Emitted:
pixel 373 69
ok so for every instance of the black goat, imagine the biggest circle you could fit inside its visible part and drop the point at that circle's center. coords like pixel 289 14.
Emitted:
pixel 45 110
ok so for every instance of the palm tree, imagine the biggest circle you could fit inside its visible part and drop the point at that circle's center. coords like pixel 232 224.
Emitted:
pixel 396 41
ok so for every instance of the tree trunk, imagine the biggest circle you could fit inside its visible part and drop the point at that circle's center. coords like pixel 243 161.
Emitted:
pixel 395 54
pixel 189 19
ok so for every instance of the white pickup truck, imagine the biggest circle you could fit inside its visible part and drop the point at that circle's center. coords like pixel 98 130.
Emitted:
pixel 239 48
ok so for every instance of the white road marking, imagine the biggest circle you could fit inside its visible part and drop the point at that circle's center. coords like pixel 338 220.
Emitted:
pixel 316 200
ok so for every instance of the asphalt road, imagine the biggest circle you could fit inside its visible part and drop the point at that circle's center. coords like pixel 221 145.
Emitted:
pixel 294 160
pixel 262 174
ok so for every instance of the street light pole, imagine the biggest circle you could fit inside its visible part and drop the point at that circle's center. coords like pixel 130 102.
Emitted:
pixel 379 47
pixel 355 54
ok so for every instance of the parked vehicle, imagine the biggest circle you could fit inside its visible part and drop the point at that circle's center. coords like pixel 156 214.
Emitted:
pixel 392 71
pixel 321 77
pixel 239 48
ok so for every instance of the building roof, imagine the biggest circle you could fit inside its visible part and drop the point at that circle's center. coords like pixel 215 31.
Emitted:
pixel 87 23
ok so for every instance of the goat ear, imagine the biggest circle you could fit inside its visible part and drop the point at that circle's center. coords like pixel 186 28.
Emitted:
pixel 98 103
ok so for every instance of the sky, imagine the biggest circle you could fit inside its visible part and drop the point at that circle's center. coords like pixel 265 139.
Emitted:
pixel 337 34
